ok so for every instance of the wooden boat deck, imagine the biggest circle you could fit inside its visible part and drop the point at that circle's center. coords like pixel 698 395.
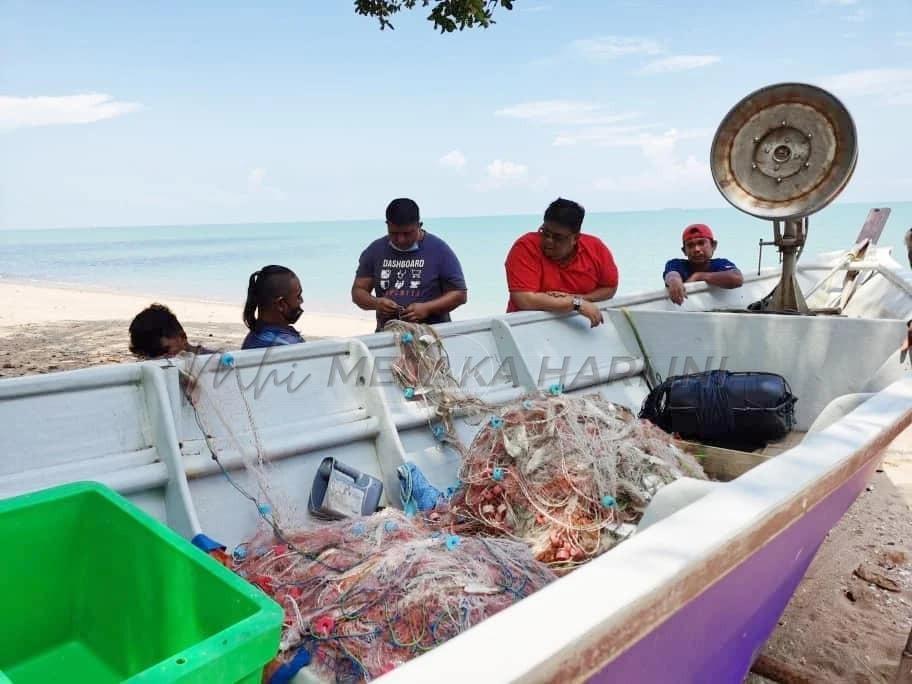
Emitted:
pixel 727 464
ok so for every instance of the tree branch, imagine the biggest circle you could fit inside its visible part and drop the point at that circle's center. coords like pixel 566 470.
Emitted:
pixel 447 15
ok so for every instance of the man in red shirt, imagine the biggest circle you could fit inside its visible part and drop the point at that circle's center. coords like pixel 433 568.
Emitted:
pixel 560 269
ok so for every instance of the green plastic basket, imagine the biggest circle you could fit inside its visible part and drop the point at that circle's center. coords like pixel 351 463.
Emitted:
pixel 94 590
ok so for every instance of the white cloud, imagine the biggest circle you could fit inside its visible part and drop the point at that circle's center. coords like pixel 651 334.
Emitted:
pixel 563 112
pixel 669 178
pixel 507 174
pixel 43 110
pixel 454 159
pixel 894 85
pixel 858 16
pixel 506 171
pixel 665 171
pixel 679 63
pixel 612 47
pixel 256 185
pixel 605 136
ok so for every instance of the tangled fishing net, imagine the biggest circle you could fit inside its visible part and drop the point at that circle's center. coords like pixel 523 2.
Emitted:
pixel 568 475
pixel 364 595
pixel 549 482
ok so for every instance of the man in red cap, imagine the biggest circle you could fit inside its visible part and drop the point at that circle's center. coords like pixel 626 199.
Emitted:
pixel 699 244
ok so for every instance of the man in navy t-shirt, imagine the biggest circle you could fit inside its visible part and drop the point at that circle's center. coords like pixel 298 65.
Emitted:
pixel 699 245
pixel 409 274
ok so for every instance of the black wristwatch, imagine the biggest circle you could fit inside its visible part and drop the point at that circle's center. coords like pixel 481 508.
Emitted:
pixel 577 303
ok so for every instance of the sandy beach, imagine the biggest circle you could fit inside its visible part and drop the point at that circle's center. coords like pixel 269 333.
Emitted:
pixel 837 627
pixel 48 328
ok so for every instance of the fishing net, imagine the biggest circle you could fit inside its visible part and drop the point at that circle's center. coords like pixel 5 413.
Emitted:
pixel 423 371
pixel 548 482
pixel 365 595
pixel 568 475
pixel 571 476
pixel 213 386
pixel 361 596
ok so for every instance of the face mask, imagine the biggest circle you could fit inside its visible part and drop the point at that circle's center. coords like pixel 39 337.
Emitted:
pixel 413 248
pixel 293 315
pixel 290 315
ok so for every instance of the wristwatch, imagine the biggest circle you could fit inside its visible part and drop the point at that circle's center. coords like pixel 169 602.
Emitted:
pixel 577 303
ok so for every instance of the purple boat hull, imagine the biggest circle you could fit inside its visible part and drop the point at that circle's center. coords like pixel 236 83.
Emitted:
pixel 717 636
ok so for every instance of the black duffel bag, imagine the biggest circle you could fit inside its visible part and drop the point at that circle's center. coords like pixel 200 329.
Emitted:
pixel 737 410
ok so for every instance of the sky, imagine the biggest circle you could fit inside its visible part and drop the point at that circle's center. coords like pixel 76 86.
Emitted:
pixel 129 113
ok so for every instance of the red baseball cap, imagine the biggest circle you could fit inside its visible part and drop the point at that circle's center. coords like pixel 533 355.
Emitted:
pixel 697 230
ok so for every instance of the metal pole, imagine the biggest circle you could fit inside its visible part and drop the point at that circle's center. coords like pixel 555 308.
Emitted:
pixel 787 296
pixel 789 248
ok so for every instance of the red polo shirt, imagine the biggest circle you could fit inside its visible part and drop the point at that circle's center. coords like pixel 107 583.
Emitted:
pixel 528 270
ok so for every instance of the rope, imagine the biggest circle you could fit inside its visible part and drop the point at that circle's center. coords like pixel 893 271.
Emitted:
pixel 567 475
pixel 715 417
pixel 653 379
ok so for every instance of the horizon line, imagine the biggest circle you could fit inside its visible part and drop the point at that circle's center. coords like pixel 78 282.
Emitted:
pixel 431 218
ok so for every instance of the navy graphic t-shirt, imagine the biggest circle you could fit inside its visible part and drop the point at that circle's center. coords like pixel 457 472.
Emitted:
pixel 682 266
pixel 417 276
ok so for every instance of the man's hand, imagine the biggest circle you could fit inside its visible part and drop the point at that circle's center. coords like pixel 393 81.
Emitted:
pixel 416 312
pixel 387 307
pixel 675 287
pixel 676 291
pixel 592 312
pixel 696 277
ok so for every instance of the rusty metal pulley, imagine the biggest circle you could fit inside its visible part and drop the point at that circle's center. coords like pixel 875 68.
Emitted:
pixel 784 151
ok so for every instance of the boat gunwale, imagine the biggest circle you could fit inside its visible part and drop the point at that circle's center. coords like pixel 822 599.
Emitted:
pixel 585 652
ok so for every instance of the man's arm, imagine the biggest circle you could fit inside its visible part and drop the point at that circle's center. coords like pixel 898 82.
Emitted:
pixel 675 285
pixel 362 297
pixel 728 280
pixel 420 311
pixel 361 293
pixel 542 301
pixel 600 294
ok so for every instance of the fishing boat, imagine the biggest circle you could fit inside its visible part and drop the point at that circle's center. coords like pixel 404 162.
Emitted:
pixel 693 596
pixel 862 281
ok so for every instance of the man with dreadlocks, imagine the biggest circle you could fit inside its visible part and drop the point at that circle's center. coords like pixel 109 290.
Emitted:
pixel 273 305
